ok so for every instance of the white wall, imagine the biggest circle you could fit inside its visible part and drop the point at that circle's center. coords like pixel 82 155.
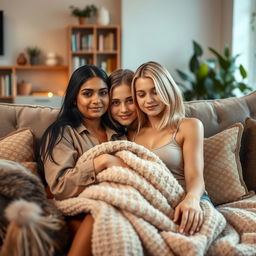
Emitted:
pixel 244 38
pixel 160 30
pixel 43 24
pixel 163 30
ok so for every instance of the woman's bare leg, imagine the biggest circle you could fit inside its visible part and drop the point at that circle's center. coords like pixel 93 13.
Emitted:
pixel 81 244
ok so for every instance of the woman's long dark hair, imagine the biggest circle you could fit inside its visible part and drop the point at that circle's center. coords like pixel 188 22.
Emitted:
pixel 69 113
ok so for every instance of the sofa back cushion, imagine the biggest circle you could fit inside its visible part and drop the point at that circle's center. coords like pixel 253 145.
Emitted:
pixel 14 117
pixel 217 115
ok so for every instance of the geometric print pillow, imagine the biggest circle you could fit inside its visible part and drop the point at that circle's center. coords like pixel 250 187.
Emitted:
pixel 18 146
pixel 222 168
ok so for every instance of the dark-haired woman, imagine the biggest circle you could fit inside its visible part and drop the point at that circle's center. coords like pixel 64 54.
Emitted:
pixel 80 125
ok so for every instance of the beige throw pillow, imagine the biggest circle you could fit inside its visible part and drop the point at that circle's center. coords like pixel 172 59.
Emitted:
pixel 222 170
pixel 18 146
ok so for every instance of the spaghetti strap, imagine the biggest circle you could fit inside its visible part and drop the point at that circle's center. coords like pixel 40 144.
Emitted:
pixel 178 126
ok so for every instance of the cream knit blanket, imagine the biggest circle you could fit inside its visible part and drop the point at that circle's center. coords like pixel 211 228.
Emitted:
pixel 133 210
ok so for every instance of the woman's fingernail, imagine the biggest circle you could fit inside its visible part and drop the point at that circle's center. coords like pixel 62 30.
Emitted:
pixel 191 233
pixel 181 230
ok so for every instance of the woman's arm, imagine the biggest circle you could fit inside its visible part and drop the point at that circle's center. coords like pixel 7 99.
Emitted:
pixel 104 161
pixel 71 171
pixel 189 211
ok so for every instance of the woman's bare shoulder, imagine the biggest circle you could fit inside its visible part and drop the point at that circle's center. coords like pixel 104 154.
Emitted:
pixel 192 124
pixel 191 121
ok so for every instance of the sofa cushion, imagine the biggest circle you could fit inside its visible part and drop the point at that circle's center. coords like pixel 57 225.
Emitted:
pixel 222 172
pixel 217 115
pixel 18 146
pixel 249 153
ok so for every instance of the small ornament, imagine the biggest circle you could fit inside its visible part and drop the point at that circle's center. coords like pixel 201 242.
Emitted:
pixel 51 59
pixel 22 60
pixel 103 16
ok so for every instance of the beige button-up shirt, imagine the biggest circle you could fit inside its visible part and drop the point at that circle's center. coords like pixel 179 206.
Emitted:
pixel 73 172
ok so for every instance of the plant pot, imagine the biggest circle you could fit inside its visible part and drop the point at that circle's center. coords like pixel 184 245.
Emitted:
pixel 82 20
pixel 34 60
pixel 24 88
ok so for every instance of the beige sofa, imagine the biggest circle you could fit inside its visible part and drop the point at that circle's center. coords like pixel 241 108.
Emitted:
pixel 216 115
pixel 225 179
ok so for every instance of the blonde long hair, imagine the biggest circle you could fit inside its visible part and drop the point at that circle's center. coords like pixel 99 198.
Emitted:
pixel 168 91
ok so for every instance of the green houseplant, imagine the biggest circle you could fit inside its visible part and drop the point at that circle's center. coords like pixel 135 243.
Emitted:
pixel 34 54
pixel 213 78
pixel 82 13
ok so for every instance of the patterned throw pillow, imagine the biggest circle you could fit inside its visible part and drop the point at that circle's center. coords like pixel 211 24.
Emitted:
pixel 18 146
pixel 222 169
pixel 249 158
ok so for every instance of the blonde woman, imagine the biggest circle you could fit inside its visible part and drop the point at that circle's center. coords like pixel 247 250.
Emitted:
pixel 178 141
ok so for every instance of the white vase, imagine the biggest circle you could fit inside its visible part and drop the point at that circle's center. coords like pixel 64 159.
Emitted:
pixel 51 59
pixel 103 16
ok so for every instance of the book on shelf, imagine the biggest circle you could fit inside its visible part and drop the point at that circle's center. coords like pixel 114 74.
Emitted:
pixel 81 41
pixel 109 41
pixel 106 42
pixel 100 42
pixel 108 65
pixel 5 85
pixel 79 61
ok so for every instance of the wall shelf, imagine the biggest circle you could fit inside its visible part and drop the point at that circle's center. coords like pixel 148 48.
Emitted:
pixel 43 78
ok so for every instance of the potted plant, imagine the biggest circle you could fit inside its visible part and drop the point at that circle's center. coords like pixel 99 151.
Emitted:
pixel 213 78
pixel 82 13
pixel 34 53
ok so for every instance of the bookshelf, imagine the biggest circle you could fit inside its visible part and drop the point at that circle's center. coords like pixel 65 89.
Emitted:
pixel 43 78
pixel 94 44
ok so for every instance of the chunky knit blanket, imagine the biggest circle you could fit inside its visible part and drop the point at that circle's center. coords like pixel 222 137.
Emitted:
pixel 133 210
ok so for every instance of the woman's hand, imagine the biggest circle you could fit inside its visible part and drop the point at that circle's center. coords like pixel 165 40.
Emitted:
pixel 189 214
pixel 104 161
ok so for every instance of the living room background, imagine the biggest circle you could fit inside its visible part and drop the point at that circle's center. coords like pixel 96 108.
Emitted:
pixel 150 30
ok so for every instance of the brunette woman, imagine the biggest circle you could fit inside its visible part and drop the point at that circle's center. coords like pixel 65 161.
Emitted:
pixel 80 125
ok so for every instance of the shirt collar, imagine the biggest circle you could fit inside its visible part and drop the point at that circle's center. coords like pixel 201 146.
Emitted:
pixel 82 128
pixel 110 133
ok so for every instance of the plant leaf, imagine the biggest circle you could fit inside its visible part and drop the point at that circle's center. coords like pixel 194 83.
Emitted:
pixel 244 87
pixel 221 60
pixel 194 64
pixel 226 51
pixel 184 76
pixel 198 51
pixel 242 71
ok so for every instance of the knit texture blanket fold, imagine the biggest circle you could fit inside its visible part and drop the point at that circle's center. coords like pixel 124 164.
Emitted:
pixel 133 210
